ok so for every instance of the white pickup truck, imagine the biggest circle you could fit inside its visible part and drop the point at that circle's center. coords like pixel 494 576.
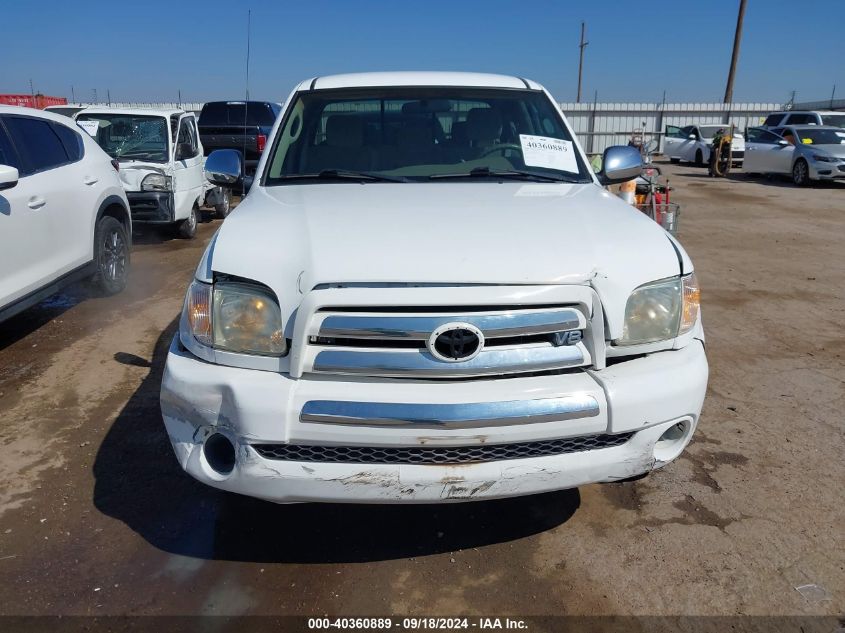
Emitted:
pixel 427 296
pixel 161 164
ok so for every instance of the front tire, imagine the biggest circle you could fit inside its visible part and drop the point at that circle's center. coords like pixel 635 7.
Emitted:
pixel 187 228
pixel 111 256
pixel 699 158
pixel 801 173
pixel 674 161
pixel 222 209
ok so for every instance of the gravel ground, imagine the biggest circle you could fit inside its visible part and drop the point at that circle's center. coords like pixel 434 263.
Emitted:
pixel 97 518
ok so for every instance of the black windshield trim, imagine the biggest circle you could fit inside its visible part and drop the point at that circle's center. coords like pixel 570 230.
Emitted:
pixel 509 174
pixel 343 174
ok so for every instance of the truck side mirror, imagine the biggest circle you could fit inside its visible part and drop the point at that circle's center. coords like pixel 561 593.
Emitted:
pixel 620 163
pixel 225 168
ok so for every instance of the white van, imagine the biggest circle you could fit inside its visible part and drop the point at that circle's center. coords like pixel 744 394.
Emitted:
pixel 161 164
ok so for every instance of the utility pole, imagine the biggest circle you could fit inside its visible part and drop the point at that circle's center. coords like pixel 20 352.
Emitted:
pixel 108 96
pixel 729 90
pixel 32 91
pixel 832 94
pixel 72 95
pixel 581 62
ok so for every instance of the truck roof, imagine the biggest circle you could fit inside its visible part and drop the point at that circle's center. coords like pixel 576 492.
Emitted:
pixel 168 112
pixel 417 78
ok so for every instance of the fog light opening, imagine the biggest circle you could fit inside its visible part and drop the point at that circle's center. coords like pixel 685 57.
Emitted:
pixel 673 441
pixel 219 453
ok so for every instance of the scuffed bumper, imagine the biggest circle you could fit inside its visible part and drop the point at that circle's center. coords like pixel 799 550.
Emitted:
pixel 645 396
pixel 151 207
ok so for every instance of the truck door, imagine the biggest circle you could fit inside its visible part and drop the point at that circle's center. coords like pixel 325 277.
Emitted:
pixel 187 169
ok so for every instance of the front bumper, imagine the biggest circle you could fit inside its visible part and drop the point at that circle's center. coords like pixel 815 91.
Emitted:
pixel 151 207
pixel 826 171
pixel 644 397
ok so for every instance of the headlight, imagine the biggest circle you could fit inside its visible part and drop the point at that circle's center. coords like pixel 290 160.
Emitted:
pixel 661 310
pixel 236 317
pixel 156 182
pixel 825 159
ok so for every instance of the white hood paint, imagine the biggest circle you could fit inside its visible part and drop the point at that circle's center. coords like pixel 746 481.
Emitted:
pixel 300 236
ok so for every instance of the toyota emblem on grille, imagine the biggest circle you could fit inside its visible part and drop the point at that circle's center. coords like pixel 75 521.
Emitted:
pixel 455 342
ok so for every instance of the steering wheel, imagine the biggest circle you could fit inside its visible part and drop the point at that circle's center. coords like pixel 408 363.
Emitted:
pixel 501 148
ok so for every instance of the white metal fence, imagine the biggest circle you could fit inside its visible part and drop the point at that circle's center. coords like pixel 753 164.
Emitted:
pixel 600 125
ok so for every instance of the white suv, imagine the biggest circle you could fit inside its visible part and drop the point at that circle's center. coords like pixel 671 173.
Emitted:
pixel 63 213
pixel 428 296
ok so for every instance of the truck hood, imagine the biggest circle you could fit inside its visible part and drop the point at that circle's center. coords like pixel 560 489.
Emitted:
pixel 131 173
pixel 296 237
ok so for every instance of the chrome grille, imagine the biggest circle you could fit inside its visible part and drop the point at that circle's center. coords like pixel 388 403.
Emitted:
pixel 438 454
pixel 503 324
pixel 392 342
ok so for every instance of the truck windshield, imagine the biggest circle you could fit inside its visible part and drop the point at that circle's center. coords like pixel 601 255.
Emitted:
pixel 837 120
pixel 237 113
pixel 129 136
pixel 423 134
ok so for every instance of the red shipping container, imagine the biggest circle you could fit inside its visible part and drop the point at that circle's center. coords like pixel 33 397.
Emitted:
pixel 28 101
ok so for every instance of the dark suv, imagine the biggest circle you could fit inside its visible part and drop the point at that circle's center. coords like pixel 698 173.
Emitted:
pixel 240 125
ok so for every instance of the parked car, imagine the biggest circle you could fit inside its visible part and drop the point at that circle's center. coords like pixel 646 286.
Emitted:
pixel 804 117
pixel 66 110
pixel 427 295
pixel 161 164
pixel 63 214
pixel 239 125
pixel 805 153
pixel 692 143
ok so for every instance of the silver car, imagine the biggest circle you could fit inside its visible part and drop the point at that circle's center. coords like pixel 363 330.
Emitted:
pixel 804 152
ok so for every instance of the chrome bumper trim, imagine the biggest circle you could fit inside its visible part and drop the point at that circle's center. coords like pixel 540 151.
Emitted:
pixel 451 416
pixel 516 323
pixel 419 363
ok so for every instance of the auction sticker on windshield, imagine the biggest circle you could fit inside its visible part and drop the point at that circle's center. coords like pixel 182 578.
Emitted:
pixel 551 153
pixel 89 126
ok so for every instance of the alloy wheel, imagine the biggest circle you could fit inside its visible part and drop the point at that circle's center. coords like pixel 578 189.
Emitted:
pixel 113 256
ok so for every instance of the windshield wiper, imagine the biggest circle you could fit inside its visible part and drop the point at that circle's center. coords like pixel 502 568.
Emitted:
pixel 486 172
pixel 342 174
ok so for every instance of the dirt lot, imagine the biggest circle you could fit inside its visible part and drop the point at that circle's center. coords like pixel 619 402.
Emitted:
pixel 97 518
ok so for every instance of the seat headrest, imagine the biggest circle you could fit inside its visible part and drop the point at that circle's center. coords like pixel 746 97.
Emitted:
pixel 483 124
pixel 344 130
pixel 459 132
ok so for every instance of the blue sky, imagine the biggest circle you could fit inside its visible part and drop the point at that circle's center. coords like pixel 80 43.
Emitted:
pixel 148 50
